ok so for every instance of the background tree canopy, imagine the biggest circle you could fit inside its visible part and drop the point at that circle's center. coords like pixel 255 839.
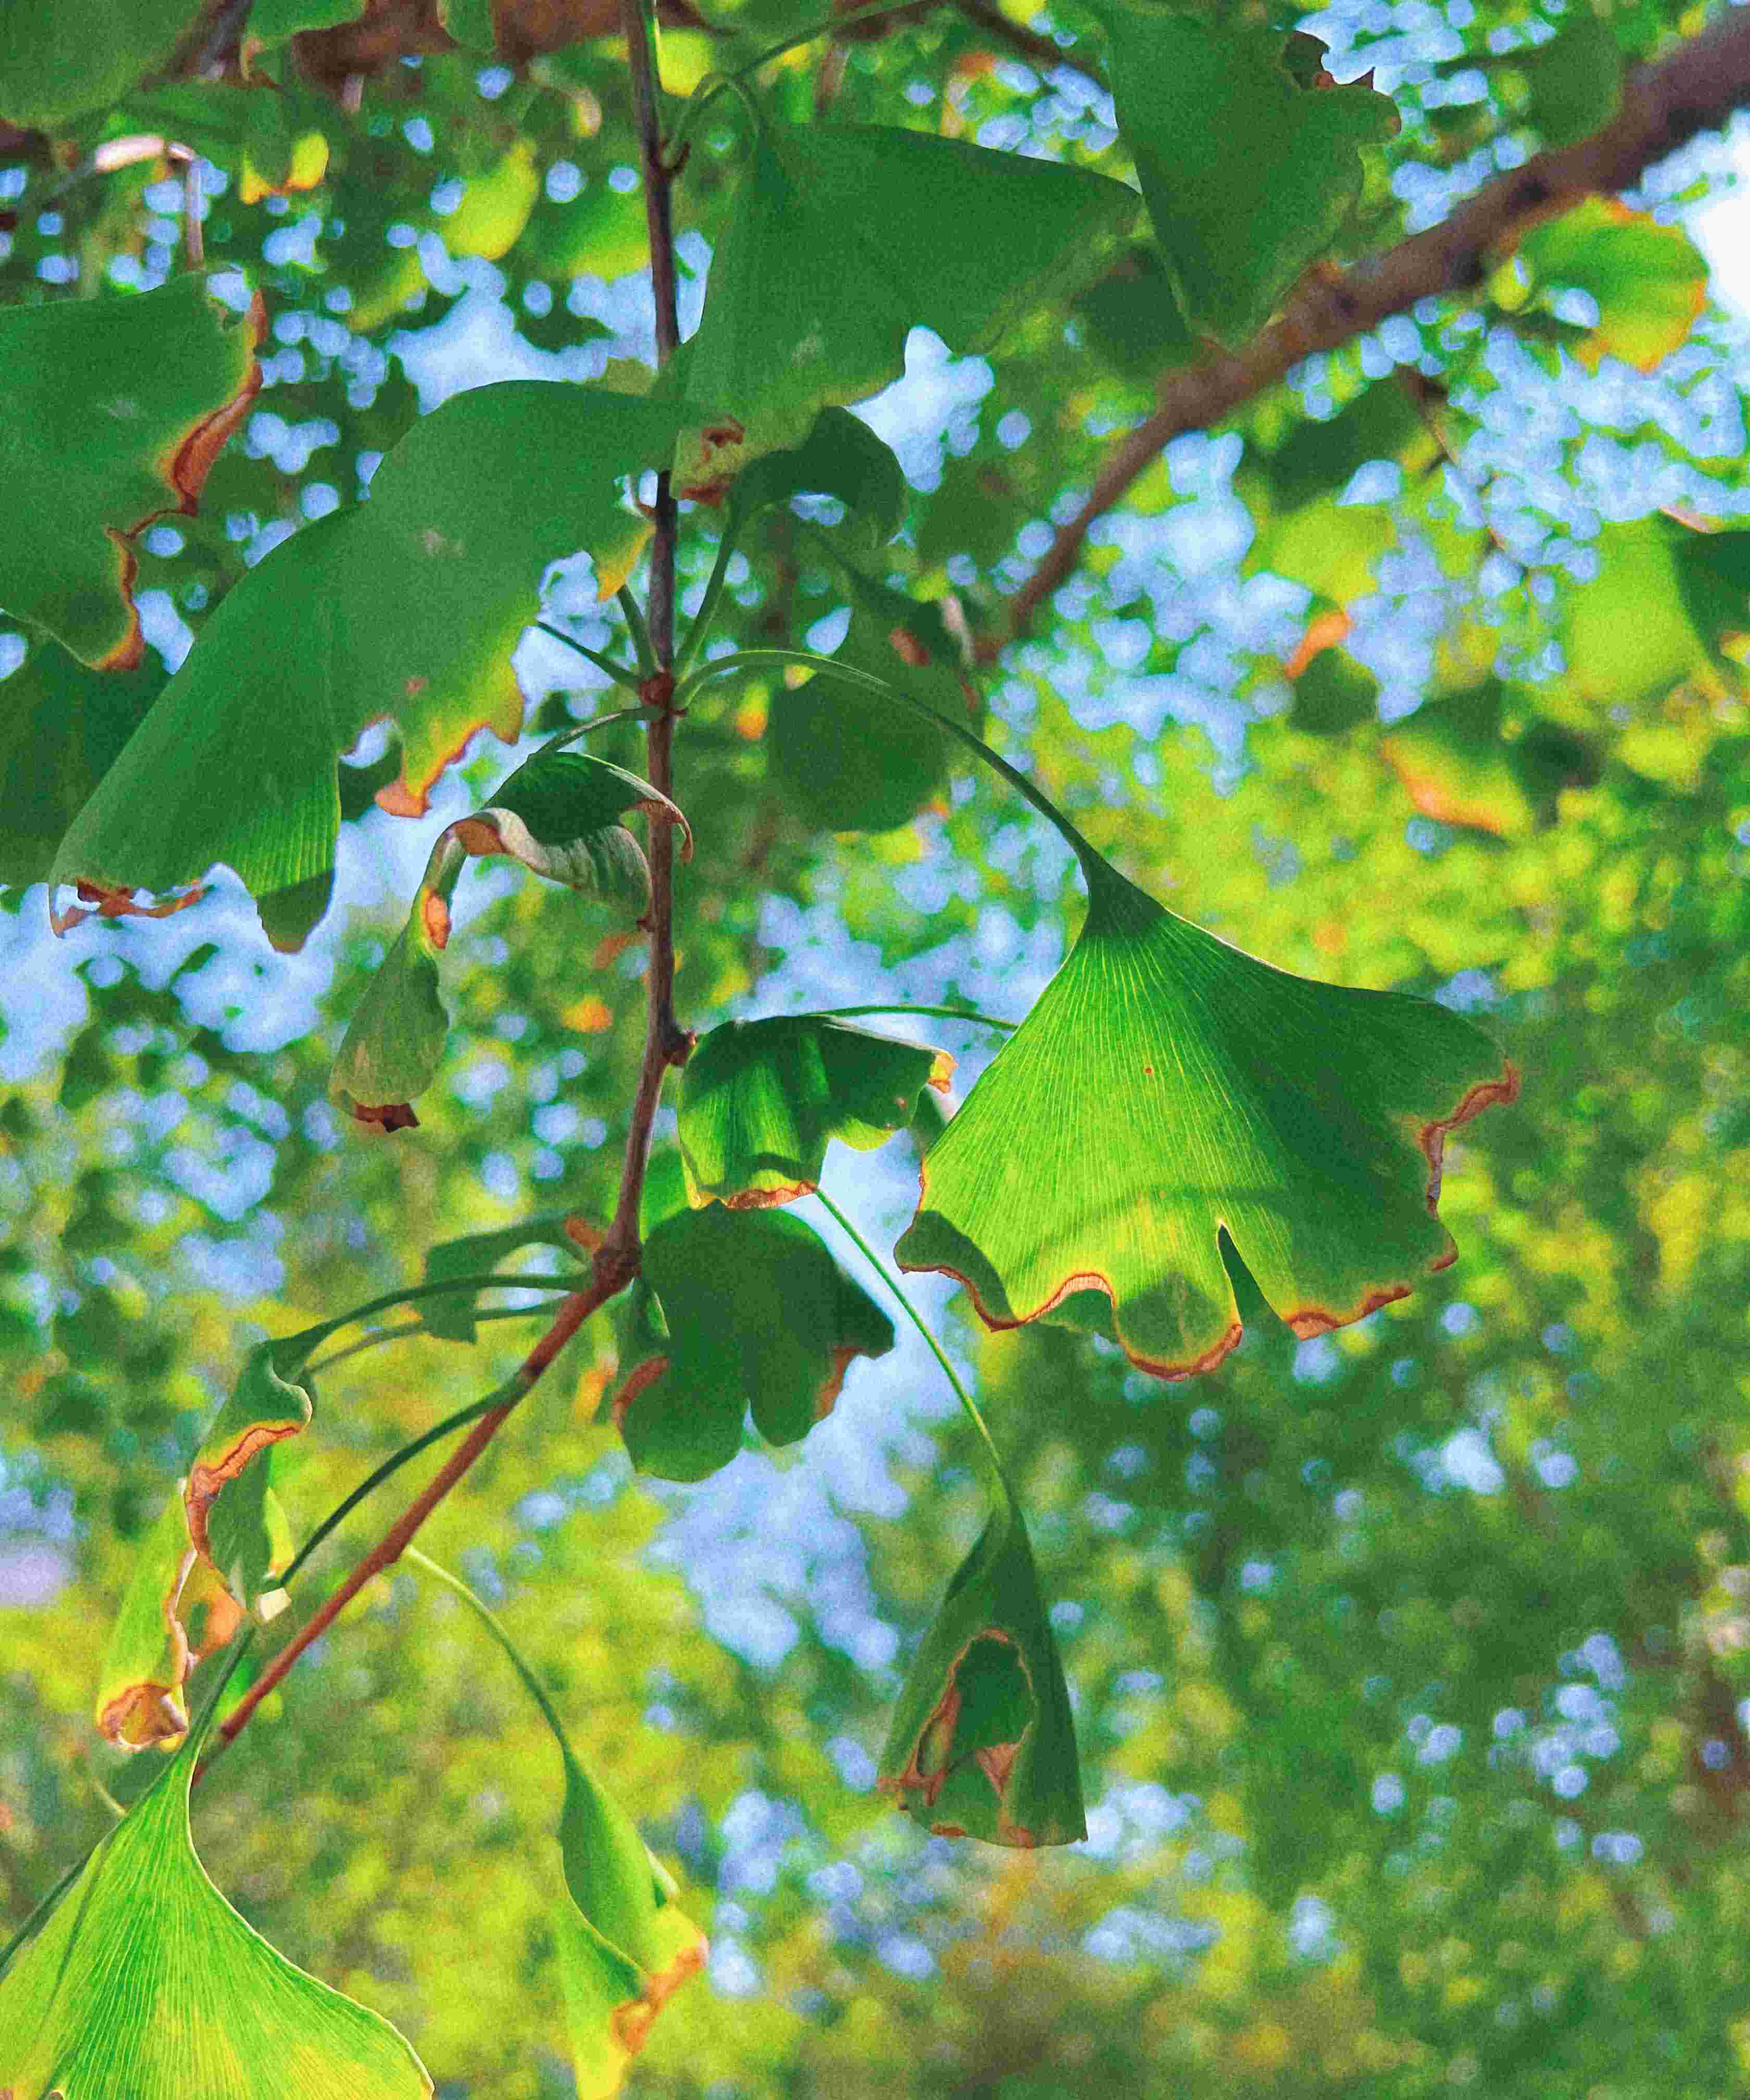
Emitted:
pixel 1308 451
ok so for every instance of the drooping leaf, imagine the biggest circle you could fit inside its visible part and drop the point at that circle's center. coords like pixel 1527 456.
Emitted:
pixel 624 1945
pixel 59 62
pixel 61 729
pixel 394 1043
pixel 561 816
pixel 1168 1086
pixel 1249 177
pixel 145 1982
pixel 112 413
pixel 474 1253
pixel 408 607
pixel 841 456
pixel 1649 281
pixel 982 1743
pixel 760 1099
pixel 736 1311
pixel 841 760
pixel 208 1559
pixel 838 240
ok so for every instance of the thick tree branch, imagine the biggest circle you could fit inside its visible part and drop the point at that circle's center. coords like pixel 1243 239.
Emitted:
pixel 1666 103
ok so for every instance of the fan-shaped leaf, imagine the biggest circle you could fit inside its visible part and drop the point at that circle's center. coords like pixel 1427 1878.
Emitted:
pixel 841 456
pixel 145 1982
pixel 1167 1087
pixel 838 240
pixel 114 410
pixel 62 727
pixel 452 1318
pixel 58 62
pixel 1649 281
pixel 760 1099
pixel 736 1311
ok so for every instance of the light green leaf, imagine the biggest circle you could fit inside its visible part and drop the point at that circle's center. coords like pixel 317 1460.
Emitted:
pixel 838 240
pixel 841 456
pixel 61 729
pixel 560 815
pixel 111 412
pixel 144 1983
pixel 1167 1088
pixel 736 1311
pixel 760 1099
pixel 1249 178
pixel 1651 616
pixel 1650 282
pixel 59 61
pixel 394 1041
pixel 474 1253
pixel 983 1743
pixel 408 607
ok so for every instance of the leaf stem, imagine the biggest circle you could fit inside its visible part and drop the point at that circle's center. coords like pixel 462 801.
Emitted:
pixel 928 1012
pixel 622 674
pixel 918 1321
pixel 640 634
pixel 297 1349
pixel 489 1619
pixel 699 632
pixel 379 1336
pixel 828 25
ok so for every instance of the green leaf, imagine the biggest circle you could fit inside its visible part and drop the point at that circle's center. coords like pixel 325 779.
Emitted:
pixel 1575 80
pixel 842 762
pixel 736 1311
pixel 1457 767
pixel 841 456
pixel 208 1559
pixel 394 1041
pixel 1248 177
pixel 838 240
pixel 1334 695
pixel 273 21
pixel 982 1743
pixel 1651 616
pixel 624 1945
pixel 61 729
pixel 1131 318
pixel 1649 281
pixel 474 1253
pixel 145 1982
pixel 111 412
pixel 60 61
pixel 560 815
pixel 760 1099
pixel 408 607
pixel 1167 1087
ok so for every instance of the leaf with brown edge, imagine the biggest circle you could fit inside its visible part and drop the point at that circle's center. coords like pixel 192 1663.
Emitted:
pixel 209 1559
pixel 407 607
pixel 1168 1086
pixel 735 1312
pixel 563 816
pixel 394 1043
pixel 761 1099
pixel 111 412
pixel 983 1743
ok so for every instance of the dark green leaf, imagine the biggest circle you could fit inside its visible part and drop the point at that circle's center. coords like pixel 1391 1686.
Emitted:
pixel 59 61
pixel 841 456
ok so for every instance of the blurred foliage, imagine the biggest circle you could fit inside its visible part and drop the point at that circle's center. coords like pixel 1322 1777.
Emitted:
pixel 1408 1663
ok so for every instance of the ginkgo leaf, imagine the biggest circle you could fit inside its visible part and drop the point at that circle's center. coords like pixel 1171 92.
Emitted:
pixel 1334 693
pixel 841 456
pixel 624 1945
pixel 842 762
pixel 736 1311
pixel 59 62
pixel 760 1099
pixel 1168 1086
pixel 561 816
pixel 982 1743
pixel 408 607
pixel 62 727
pixel 838 240
pixel 207 1560
pixel 1649 281
pixel 1574 81
pixel 116 409
pixel 145 1982
pixel 1249 177
pixel 394 1043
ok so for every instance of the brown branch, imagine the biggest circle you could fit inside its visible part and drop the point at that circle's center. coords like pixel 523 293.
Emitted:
pixel 1042 53
pixel 1693 89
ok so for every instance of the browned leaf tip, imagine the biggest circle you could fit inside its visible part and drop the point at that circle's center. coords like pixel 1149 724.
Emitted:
pixel 143 1715
pixel 99 900
pixel 201 1489
pixel 389 1115
pixel 1484 1095
pixel 767 1199
pixel 942 1071
pixel 408 795
pixel 833 1382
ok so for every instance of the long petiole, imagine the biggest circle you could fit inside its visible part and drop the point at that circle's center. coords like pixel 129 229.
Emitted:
pixel 826 26
pixel 622 674
pixel 917 1320
pixel 928 1012
pixel 641 633
pixel 699 632
pixel 489 1620
pixel 312 1337
pixel 376 1339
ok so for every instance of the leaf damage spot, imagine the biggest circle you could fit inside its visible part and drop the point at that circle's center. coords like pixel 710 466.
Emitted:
pixel 386 1115
pixel 102 900
pixel 1486 1094
pixel 204 1481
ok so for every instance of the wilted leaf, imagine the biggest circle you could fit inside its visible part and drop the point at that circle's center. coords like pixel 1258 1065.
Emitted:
pixel 838 240
pixel 760 1099
pixel 394 1043
pixel 1167 1087
pixel 114 409
pixel 59 61
pixel 1649 281
pixel 982 1743
pixel 408 607
pixel 1248 177
pixel 61 729
pixel 735 1311
pixel 145 1982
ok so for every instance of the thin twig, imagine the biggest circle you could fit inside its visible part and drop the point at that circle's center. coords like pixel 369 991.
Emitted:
pixel 1693 89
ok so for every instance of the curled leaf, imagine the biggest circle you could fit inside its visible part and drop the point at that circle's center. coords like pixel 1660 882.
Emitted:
pixel 561 815
pixel 841 456
pixel 735 1311
pixel 1167 1088
pixel 145 1982
pixel 983 1743
pixel 474 1253
pixel 760 1099
pixel 394 1043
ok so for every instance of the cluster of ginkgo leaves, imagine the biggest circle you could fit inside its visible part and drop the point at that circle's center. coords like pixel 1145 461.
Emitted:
pixel 1175 1129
